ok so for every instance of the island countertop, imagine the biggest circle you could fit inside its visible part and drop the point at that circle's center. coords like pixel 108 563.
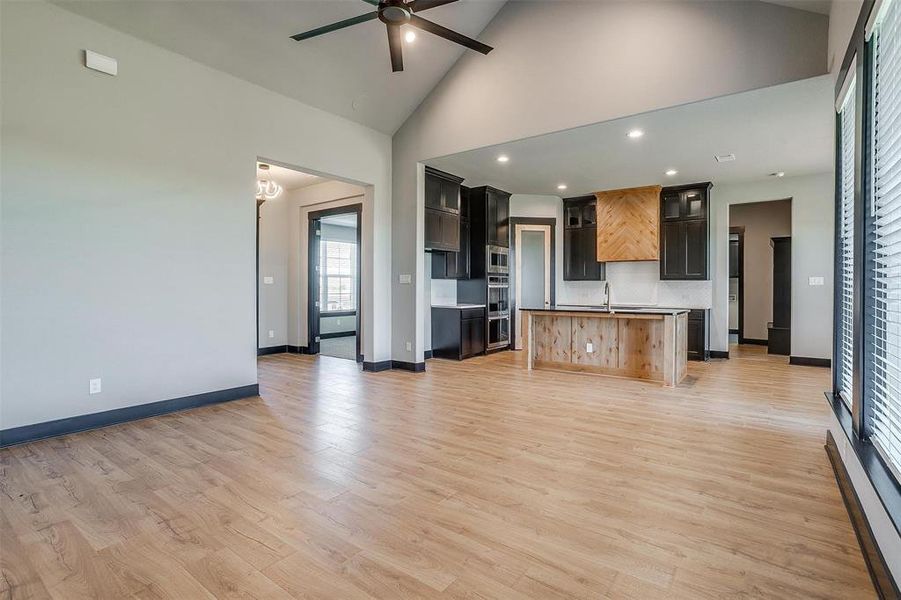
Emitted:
pixel 629 310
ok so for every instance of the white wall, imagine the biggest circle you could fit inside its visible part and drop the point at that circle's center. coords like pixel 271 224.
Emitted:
pixel 842 18
pixel 520 90
pixel 812 232
pixel 274 264
pixel 128 234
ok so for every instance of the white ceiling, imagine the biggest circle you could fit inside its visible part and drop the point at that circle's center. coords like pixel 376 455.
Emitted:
pixel 289 178
pixel 783 128
pixel 347 72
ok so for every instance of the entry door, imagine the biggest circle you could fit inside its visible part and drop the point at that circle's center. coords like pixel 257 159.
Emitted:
pixel 532 271
pixel 314 269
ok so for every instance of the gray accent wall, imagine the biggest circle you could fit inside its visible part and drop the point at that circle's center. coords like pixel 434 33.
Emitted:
pixel 128 216
pixel 630 57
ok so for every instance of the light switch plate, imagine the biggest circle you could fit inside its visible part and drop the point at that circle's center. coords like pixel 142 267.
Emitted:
pixel 94 386
pixel 271 334
pixel 816 281
pixel 268 280
pixel 589 347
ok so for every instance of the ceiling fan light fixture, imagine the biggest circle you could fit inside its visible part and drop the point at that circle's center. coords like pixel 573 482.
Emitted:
pixel 397 14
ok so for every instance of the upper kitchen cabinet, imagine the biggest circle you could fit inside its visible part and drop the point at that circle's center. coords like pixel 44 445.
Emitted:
pixel 497 206
pixel 442 210
pixel 628 221
pixel 580 233
pixel 684 232
pixel 456 265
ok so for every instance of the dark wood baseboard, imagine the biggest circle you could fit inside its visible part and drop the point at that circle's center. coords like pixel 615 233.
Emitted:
pixel 885 585
pixel 337 334
pixel 298 350
pixel 376 367
pixel 271 350
pixel 733 332
pixel 753 341
pixel 807 361
pixel 427 355
pixel 38 431
pixel 719 354
pixel 418 367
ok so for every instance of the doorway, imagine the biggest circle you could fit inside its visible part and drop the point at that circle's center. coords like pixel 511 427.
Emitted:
pixel 736 283
pixel 334 282
pixel 533 257
pixel 760 275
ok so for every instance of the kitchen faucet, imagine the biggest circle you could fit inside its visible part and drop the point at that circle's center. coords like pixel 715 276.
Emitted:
pixel 607 293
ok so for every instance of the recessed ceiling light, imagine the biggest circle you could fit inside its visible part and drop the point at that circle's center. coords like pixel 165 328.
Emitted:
pixel 410 37
pixel 671 172
pixel 503 158
pixel 562 186
pixel 724 157
pixel 778 174
pixel 635 133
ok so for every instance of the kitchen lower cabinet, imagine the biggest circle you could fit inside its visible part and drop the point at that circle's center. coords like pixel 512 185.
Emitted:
pixel 697 335
pixel 458 332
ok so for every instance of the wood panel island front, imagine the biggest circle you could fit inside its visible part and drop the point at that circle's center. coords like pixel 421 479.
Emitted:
pixel 643 343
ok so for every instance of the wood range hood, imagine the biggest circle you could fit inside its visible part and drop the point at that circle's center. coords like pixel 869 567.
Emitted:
pixel 628 223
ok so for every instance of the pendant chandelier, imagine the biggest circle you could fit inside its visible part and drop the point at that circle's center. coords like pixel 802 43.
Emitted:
pixel 266 188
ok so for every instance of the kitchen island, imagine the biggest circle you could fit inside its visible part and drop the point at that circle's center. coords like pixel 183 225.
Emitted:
pixel 640 343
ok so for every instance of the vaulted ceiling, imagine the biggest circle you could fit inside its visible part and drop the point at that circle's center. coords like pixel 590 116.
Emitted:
pixel 347 72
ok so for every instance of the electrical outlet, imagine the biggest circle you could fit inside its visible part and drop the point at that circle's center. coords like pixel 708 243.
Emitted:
pixel 409 346
pixel 268 280
pixel 589 347
pixel 337 321
pixel 816 281
pixel 405 278
pixel 271 334
pixel 94 386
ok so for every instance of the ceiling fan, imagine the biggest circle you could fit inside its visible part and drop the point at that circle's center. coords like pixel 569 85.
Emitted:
pixel 394 14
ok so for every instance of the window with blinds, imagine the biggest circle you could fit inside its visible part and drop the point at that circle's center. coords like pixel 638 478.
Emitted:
pixel 845 248
pixel 884 281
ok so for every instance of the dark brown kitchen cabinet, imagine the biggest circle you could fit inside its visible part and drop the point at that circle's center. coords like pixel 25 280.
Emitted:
pixel 580 235
pixel 442 210
pixel 442 231
pixel 454 265
pixel 684 232
pixel 498 203
pixel 697 335
pixel 458 333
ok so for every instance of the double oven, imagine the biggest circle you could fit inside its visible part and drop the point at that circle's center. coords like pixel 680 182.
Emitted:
pixel 498 268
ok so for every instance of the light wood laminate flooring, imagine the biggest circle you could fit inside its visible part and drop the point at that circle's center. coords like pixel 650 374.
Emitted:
pixel 472 480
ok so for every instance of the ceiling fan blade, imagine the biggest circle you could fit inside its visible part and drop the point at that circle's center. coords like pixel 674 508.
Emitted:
pixel 335 26
pixel 448 34
pixel 420 5
pixel 396 48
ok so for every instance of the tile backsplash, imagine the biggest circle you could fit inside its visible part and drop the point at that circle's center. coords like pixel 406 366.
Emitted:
pixel 637 283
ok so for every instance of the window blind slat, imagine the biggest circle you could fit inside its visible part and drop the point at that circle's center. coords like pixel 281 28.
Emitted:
pixel 884 282
pixel 845 251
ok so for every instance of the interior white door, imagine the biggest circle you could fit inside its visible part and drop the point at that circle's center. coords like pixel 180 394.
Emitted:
pixel 532 271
